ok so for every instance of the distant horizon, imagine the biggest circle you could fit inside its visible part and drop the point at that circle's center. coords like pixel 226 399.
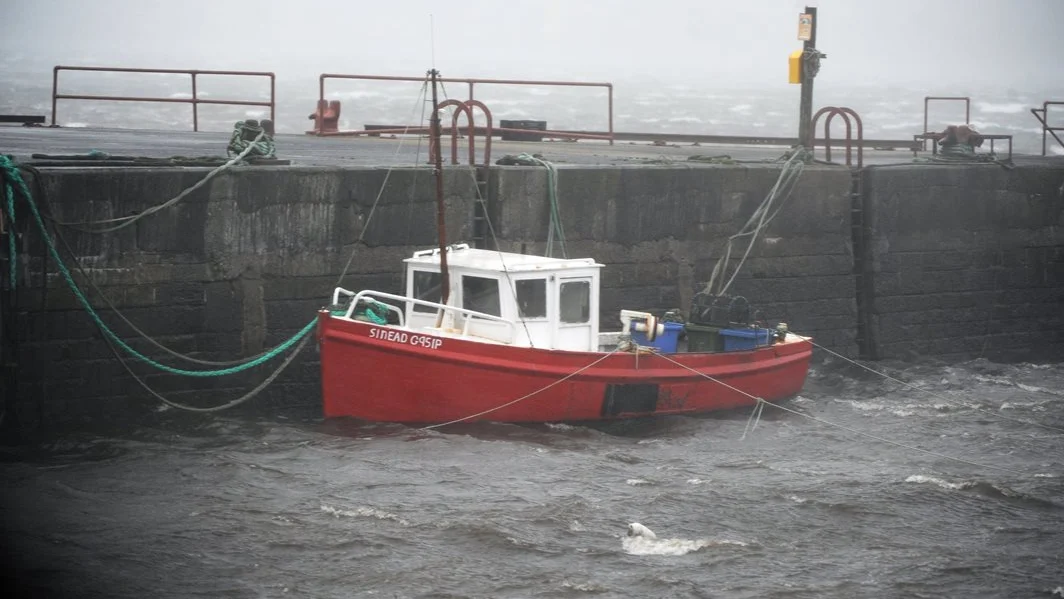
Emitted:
pixel 907 43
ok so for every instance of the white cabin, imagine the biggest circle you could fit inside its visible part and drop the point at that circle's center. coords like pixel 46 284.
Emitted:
pixel 546 303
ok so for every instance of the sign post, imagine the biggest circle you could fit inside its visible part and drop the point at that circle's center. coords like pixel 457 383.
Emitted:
pixel 807 33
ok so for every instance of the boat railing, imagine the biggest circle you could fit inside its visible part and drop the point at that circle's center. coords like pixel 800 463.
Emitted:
pixel 470 315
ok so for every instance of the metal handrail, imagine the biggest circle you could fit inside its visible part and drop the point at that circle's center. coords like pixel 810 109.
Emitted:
pixel 967 110
pixel 1043 118
pixel 195 100
pixel 470 315
pixel 471 82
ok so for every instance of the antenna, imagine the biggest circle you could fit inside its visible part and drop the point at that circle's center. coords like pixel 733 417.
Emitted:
pixel 432 40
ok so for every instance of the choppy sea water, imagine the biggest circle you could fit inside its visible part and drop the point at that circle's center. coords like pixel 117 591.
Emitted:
pixel 289 505
pixel 696 107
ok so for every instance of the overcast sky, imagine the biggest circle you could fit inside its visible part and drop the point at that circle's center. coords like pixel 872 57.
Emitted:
pixel 1018 43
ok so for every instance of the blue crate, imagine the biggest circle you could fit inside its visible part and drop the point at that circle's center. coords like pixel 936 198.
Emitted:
pixel 665 342
pixel 744 339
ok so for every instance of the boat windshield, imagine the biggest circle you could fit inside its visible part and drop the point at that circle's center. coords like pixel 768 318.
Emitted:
pixel 575 301
pixel 532 298
pixel 426 287
pixel 481 294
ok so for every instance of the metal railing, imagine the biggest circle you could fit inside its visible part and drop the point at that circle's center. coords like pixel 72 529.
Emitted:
pixel 1042 114
pixel 967 111
pixel 470 315
pixel 472 84
pixel 846 114
pixel 195 100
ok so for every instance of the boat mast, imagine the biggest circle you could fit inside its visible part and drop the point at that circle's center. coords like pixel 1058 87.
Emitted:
pixel 441 226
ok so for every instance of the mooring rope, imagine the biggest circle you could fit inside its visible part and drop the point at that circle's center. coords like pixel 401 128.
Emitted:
pixel 784 187
pixel 13 177
pixel 523 397
pixel 939 395
pixel 125 221
pixel 845 428
pixel 384 185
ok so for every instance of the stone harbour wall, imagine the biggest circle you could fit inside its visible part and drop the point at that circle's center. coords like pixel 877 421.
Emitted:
pixel 947 261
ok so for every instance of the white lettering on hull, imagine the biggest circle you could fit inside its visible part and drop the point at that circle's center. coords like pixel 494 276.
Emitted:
pixel 426 341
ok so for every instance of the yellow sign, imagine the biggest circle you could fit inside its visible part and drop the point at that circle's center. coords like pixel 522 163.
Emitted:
pixel 805 27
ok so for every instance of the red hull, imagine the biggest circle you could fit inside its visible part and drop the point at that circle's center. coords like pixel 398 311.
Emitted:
pixel 411 377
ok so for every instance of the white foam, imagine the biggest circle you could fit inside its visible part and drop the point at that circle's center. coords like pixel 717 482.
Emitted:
pixel 1037 389
pixel 363 512
pixel 587 587
pixel 643 546
pixel 797 499
pixel 560 426
pixel 638 482
pixel 920 478
pixel 1002 108
pixel 696 481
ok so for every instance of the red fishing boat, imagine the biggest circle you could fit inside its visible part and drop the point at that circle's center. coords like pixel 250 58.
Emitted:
pixel 489 335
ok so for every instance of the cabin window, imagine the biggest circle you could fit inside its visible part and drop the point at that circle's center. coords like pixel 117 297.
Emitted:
pixel 575 302
pixel 532 298
pixel 426 287
pixel 481 294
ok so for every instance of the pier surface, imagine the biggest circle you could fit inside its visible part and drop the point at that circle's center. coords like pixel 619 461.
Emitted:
pixel 310 150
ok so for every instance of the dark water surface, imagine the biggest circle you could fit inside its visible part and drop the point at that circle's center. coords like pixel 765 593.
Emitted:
pixel 290 506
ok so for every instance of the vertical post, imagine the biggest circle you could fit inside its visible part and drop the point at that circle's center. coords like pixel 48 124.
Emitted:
pixel 319 117
pixel 273 99
pixel 195 104
pixel 471 89
pixel 55 90
pixel 441 225
pixel 805 111
pixel 610 87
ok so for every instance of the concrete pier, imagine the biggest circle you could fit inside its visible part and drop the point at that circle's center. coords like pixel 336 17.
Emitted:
pixel 894 261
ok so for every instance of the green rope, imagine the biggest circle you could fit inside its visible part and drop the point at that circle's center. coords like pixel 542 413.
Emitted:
pixel 12 175
pixel 554 230
pixel 250 133
pixel 11 227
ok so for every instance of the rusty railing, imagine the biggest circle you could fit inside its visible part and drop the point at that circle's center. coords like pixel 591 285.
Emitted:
pixel 472 83
pixel 195 100
pixel 1042 114
pixel 927 101
pixel 845 113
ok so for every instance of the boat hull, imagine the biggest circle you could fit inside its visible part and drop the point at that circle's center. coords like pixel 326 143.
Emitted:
pixel 388 374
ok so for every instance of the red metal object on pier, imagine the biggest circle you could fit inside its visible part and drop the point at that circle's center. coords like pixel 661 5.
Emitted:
pixel 846 113
pixel 195 100
pixel 326 117
pixel 1042 114
pixel 472 82
pixel 467 109
pixel 927 101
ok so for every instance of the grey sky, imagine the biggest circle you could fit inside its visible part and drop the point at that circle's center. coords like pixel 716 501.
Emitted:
pixel 1016 43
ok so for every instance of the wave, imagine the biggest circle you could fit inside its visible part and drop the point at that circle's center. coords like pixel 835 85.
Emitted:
pixel 1005 108
pixel 363 512
pixel 983 488
pixel 673 547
